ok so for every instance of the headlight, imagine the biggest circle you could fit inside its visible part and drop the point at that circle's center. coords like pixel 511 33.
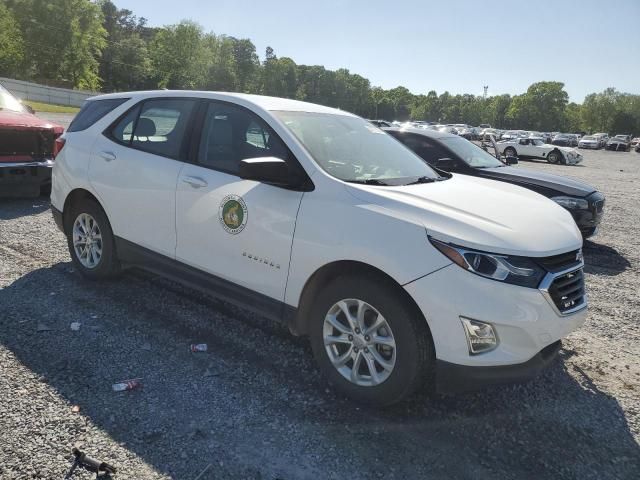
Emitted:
pixel 503 268
pixel 572 203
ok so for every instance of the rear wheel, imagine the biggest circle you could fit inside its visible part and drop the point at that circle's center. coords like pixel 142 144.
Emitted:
pixel 510 152
pixel 369 341
pixel 91 242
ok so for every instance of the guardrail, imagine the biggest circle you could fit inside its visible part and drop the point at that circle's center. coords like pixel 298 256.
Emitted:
pixel 42 93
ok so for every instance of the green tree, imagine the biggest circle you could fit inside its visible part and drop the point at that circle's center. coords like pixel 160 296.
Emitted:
pixel 125 63
pixel 247 65
pixel 11 44
pixel 180 57
pixel 222 69
pixel 63 40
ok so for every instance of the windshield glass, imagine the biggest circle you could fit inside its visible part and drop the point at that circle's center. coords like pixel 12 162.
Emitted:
pixel 9 102
pixel 353 150
pixel 537 142
pixel 589 138
pixel 471 153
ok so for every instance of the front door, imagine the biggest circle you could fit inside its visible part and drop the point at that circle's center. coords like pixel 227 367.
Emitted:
pixel 134 170
pixel 238 230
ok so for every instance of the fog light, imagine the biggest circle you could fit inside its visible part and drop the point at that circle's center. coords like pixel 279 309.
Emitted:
pixel 481 336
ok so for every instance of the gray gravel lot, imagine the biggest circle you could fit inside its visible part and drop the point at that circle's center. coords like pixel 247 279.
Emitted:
pixel 254 405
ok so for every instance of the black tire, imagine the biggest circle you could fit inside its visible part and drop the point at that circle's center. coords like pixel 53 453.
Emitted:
pixel 108 265
pixel 554 157
pixel 510 152
pixel 415 354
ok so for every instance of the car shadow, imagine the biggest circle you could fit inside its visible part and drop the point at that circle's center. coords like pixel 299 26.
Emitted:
pixel 11 208
pixel 601 259
pixel 256 399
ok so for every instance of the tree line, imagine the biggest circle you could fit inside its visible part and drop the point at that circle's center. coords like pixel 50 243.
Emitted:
pixel 98 46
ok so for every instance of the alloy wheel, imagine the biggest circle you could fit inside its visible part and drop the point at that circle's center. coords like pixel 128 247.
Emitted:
pixel 359 342
pixel 87 240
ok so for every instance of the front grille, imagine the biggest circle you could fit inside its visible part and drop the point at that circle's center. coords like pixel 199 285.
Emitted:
pixel 567 290
pixel 558 263
pixel 33 143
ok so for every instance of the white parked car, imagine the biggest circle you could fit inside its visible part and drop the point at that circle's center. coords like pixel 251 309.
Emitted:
pixel 528 148
pixel 589 141
pixel 603 138
pixel 399 275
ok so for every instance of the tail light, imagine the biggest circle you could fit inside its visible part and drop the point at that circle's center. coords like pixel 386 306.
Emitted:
pixel 58 146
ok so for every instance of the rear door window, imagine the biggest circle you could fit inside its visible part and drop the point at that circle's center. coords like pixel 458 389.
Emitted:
pixel 92 111
pixel 156 126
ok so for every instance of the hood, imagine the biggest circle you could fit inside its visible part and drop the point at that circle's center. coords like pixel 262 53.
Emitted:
pixel 532 178
pixel 25 120
pixel 480 214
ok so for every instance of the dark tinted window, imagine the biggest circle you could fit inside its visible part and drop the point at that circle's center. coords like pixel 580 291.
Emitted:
pixel 92 111
pixel 122 130
pixel 155 126
pixel 231 134
pixel 429 151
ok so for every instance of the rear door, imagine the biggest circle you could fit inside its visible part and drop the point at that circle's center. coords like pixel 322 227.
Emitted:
pixel 240 231
pixel 134 169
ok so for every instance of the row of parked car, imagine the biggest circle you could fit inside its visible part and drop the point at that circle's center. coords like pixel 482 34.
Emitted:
pixel 409 256
pixel 599 140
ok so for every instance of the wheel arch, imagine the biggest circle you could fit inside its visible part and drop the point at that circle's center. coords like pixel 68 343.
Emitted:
pixel 75 196
pixel 298 323
pixel 510 147
pixel 561 156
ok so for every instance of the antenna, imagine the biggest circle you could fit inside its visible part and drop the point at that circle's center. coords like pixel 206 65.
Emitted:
pixel 486 87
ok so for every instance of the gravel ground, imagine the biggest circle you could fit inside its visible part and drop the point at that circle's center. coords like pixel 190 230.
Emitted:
pixel 254 405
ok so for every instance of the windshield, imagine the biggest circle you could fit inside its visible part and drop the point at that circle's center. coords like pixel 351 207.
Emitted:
pixel 589 138
pixel 471 153
pixel 353 150
pixel 537 142
pixel 9 102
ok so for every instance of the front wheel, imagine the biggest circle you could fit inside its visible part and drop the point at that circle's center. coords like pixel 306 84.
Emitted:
pixel 91 241
pixel 554 157
pixel 369 341
pixel 510 152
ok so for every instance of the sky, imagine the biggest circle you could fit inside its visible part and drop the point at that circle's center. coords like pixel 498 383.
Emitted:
pixel 456 46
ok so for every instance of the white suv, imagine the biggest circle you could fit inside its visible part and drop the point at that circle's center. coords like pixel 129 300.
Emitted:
pixel 400 275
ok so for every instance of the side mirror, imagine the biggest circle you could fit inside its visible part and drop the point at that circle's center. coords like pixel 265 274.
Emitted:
pixel 511 160
pixel 269 170
pixel 446 163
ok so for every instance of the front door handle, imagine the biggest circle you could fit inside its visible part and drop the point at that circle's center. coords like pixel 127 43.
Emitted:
pixel 108 156
pixel 195 182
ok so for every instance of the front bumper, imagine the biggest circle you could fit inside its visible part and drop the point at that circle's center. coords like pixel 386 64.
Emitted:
pixel 24 178
pixel 526 323
pixel 589 219
pixel 452 378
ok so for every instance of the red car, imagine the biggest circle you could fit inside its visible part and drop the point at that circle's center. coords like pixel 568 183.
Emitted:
pixel 27 149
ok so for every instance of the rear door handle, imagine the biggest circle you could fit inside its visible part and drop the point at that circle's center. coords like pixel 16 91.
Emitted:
pixel 108 156
pixel 195 182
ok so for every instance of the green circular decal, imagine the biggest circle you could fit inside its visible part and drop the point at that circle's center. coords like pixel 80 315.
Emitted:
pixel 233 214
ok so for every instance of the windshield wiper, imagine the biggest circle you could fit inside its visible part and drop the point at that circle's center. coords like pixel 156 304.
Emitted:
pixel 424 180
pixel 369 181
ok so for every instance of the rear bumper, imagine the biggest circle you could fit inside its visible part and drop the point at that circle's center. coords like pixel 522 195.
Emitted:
pixel 24 178
pixel 57 217
pixel 454 378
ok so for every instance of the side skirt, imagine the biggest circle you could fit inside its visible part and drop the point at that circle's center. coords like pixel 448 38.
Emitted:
pixel 133 255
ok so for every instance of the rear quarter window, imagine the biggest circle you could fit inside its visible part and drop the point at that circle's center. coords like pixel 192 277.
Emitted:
pixel 92 111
